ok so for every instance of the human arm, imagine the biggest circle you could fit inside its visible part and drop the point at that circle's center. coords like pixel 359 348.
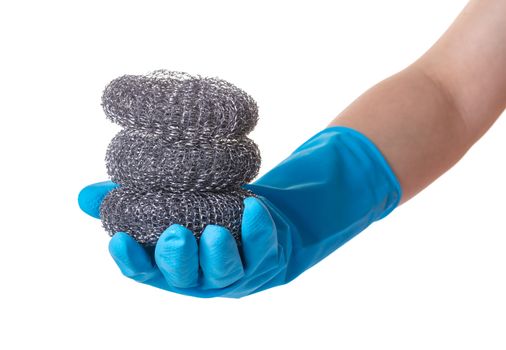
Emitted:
pixel 425 118
pixel 336 183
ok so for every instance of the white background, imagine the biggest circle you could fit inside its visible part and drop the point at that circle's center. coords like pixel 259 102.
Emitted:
pixel 431 275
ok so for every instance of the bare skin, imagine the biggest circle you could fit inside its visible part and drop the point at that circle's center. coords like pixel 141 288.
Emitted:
pixel 426 117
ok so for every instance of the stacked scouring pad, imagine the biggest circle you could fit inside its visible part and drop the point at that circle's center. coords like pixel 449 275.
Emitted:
pixel 182 155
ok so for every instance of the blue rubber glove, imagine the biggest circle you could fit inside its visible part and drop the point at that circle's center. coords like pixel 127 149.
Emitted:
pixel 327 191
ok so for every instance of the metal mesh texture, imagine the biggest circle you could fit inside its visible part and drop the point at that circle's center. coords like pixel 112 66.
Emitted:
pixel 145 161
pixel 180 105
pixel 182 157
pixel 144 216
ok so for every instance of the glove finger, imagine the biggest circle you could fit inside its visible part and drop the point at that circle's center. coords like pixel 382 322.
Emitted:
pixel 91 197
pixel 176 255
pixel 220 261
pixel 259 236
pixel 131 258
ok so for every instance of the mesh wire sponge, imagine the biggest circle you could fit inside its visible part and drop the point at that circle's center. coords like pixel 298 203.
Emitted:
pixel 180 105
pixel 182 157
pixel 144 161
pixel 146 215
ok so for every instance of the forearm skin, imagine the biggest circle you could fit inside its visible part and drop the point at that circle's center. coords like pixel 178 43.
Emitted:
pixel 426 117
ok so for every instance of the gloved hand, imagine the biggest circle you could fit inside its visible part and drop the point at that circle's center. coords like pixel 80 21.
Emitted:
pixel 327 191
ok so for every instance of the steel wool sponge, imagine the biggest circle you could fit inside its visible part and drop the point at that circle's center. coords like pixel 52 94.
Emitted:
pixel 182 156
pixel 144 161
pixel 179 105
pixel 145 215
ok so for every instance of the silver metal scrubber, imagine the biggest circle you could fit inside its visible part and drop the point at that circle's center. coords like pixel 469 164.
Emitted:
pixel 182 156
